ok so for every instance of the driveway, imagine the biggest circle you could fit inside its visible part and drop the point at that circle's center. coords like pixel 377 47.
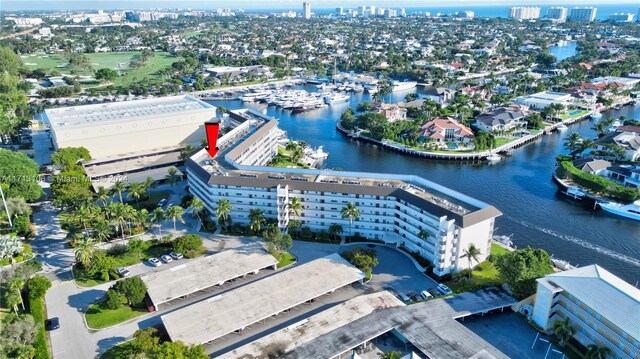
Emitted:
pixel 49 245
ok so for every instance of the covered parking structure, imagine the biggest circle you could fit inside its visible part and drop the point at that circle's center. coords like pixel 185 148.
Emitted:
pixel 202 273
pixel 237 309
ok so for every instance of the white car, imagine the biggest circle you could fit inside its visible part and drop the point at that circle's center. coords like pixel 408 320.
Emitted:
pixel 444 289
pixel 425 295
pixel 124 272
pixel 155 262
pixel 166 258
pixel 176 256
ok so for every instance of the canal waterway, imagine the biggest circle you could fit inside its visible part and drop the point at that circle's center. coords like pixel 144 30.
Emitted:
pixel 534 212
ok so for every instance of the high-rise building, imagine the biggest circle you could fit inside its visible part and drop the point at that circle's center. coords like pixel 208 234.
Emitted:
pixel 363 10
pixel 524 13
pixel 621 17
pixel 403 12
pixel 306 9
pixel 339 11
pixel 557 13
pixel 583 14
pixel 389 13
pixel 372 11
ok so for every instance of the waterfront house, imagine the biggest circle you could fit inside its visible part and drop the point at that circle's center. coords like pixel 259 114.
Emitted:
pixel 440 95
pixel 503 119
pixel 477 90
pixel 603 309
pixel 392 112
pixel 541 100
pixel 592 166
pixel 623 83
pixel 445 129
pixel 628 141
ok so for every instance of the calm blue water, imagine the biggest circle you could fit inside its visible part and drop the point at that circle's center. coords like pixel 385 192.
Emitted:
pixel 520 186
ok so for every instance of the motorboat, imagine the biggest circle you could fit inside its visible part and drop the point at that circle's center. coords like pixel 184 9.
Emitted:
pixel 596 115
pixel 562 127
pixel 631 211
pixel 406 85
pixel 494 157
pixel 562 264
pixel 336 99
pixel 504 240
pixel 575 193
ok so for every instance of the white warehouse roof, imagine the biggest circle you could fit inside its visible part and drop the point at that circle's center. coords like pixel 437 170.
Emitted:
pixel 234 310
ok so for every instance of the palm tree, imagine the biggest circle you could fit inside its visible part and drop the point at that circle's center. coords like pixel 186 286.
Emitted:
pixel 85 215
pixel 563 330
pixel 17 206
pixel 103 195
pixel 85 250
pixel 223 212
pixel 118 188
pixel 150 183
pixel 296 155
pixel 597 352
pixel 172 176
pixel 291 146
pixel 256 217
pixel 119 216
pixel 74 234
pixel 175 213
pixel 352 213
pixel 335 229
pixel 423 234
pixel 196 207
pixel 137 190
pixel 158 216
pixel 295 206
pixel 472 253
pixel 102 230
pixel 16 285
pixel 572 141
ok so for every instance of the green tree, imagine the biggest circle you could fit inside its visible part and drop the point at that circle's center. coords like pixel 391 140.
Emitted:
pixel 277 241
pixel 295 206
pixel 175 213
pixel 472 253
pixel 158 216
pixel 113 299
pixel 9 61
pixel 137 191
pixel 70 155
pixel 223 212
pixel 391 355
pixel 597 352
pixel 187 243
pixel 563 330
pixel 37 286
pixel 256 220
pixel 84 251
pixel 335 230
pixel 364 259
pixel 119 187
pixel 351 212
pixel 16 285
pixel 197 206
pixel 133 289
pixel 70 187
pixel 522 267
pixel 18 176
pixel 106 74
pixel 172 176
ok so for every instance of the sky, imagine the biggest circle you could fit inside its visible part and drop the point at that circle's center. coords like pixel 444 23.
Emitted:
pixel 12 5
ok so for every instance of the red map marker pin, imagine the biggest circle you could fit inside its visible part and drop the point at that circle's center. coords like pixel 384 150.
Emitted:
pixel 212 127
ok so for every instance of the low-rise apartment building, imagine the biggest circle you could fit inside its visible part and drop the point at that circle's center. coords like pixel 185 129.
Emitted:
pixel 426 218
pixel 603 309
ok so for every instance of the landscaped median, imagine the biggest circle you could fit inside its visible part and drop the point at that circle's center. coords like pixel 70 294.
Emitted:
pixel 486 274
pixel 124 301
pixel 98 316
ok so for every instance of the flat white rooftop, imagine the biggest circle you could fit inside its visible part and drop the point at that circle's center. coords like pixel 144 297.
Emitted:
pixel 234 310
pixel 315 326
pixel 126 110
pixel 198 274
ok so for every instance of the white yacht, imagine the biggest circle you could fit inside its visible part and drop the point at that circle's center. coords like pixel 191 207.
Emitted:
pixel 407 85
pixel 631 211
pixel 596 115
pixel 562 127
pixel 493 157
pixel 335 99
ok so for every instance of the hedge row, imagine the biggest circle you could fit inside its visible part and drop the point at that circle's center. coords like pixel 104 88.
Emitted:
pixel 36 307
pixel 598 184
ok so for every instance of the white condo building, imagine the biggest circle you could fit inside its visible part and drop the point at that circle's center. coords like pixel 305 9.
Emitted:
pixel 621 17
pixel 603 309
pixel 405 210
pixel 524 12
pixel 306 9
pixel 583 14
pixel 557 13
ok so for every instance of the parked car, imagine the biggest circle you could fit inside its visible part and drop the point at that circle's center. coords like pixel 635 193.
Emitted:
pixel 162 202
pixel 444 289
pixel 426 295
pixel 123 272
pixel 52 323
pixel 414 296
pixel 176 256
pixel 166 258
pixel 434 292
pixel 403 297
pixel 155 262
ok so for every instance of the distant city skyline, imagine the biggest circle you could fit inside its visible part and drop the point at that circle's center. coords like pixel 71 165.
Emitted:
pixel 17 5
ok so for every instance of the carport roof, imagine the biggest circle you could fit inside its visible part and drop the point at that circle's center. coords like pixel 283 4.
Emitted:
pixel 234 310
pixel 205 272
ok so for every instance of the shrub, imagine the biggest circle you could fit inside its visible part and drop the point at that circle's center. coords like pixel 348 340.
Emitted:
pixel 187 243
pixel 22 226
pixel 37 286
pixel 133 289
pixel 113 299
pixel 306 234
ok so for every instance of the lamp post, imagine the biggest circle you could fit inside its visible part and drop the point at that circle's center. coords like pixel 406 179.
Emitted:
pixel 6 209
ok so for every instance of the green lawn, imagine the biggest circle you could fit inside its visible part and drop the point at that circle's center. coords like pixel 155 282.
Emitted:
pixel 99 317
pixel 503 141
pixel 150 203
pixel 285 259
pixel 568 115
pixel 84 280
pixel 111 60
pixel 481 278
pixel 498 250
pixel 124 350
